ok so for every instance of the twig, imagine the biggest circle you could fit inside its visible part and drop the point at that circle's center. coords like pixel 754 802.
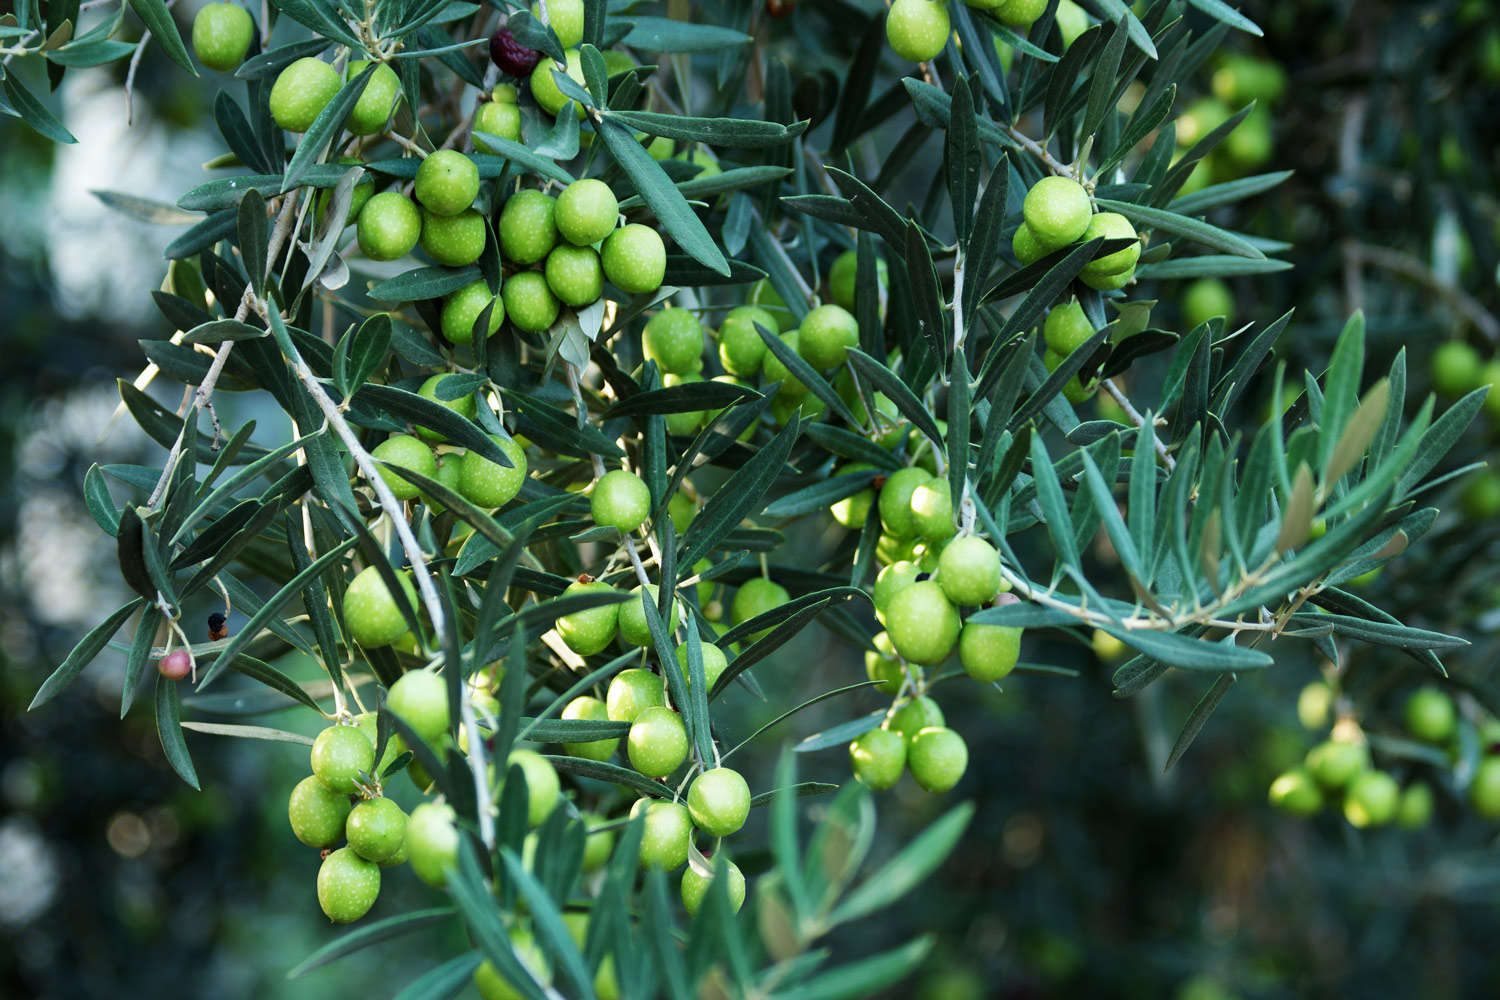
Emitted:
pixel 1140 421
pixel 1040 152
pixel 1410 267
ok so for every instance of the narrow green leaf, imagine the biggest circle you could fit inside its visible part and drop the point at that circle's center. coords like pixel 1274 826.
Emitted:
pixel 1187 653
pixel 1199 716
pixel 908 869
pixel 1102 86
pixel 864 978
pixel 1192 229
pixel 730 133
pixel 740 496
pixel 169 728
pixel 158 20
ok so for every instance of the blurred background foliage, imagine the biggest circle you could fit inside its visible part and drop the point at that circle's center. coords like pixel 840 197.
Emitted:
pixel 1087 871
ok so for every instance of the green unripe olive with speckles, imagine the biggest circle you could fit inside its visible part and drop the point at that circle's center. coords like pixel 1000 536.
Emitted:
pixel 756 596
pixel 338 756
pixel 915 716
pixel 1074 391
pixel 222 33
pixel 895 500
pixel 792 389
pixel 530 302
pixel 634 628
pixel 587 211
pixel 852 511
pixel 498 118
pixel 389 226
pixel 542 785
pixel 989 652
pixel 367 723
pixel 432 842
pixel 969 571
pixel 631 693
pixel 301 92
pixel 878 757
pixel 453 240
pixel 635 259
pixel 719 801
pixel 1020 13
pixel 620 500
pixel 932 510
pixel 668 832
pixel 565 17
pixel 420 699
pixel 1295 791
pixel 317 813
pixel 1111 226
pixel 377 829
pixel 409 453
pixel 714 663
pixel 673 338
pixel 827 333
pixel 376 102
pixel 893 579
pixel 373 617
pixel 882 665
pixel 937 758
pixel 544 88
pixel 489 484
pixel 1067 328
pixel 574 274
pixel 1027 248
pixel 741 349
pixel 1057 211
pixel 845 272
pixel 588 631
pixel 657 742
pixel 590 710
pixel 347 886
pixel 695 888
pixel 917 29
pixel 447 182
pixel 464 406
pixel 528 226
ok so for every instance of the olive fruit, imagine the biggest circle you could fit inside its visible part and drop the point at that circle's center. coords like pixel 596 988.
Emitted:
pixel 634 628
pixel 1371 799
pixel 565 17
pixel 347 885
pixel 827 333
pixel 1057 211
pixel 587 211
pixel 175 665
pixel 376 102
pixel 774 370
pixel 407 452
pixel 1296 792
pixel 695 888
pixel 657 742
pixel 447 182
pixel 719 801
pixel 893 579
pixel 932 510
pixel 741 349
pixel 969 571
pixel 1430 716
pixel 465 406
pixel 852 511
pixel 937 758
pixel 843 274
pixel 755 597
pixel 574 274
pixel 1020 13
pixel 1335 763
pixel 510 56
pixel 453 240
pixel 432 842
pixel 915 716
pixel 917 29
pixel 528 226
pixel 631 693
pixel 588 631
pixel 878 757
pixel 317 813
pixel 673 338
pixel 339 754
pixel 420 699
pixel 1111 226
pixel 882 665
pixel 922 623
pixel 1206 299
pixel 544 88
pixel 1313 704
pixel 542 786
pixel 530 302
pixel 301 92
pixel 988 652
pixel 498 118
pixel 620 500
pixel 1027 248
pixel 597 847
pixel 635 259
pixel 1416 806
pixel 389 226
pixel 668 832
pixel 590 710
pixel 489 484
pixel 491 985
pixel 895 500
pixel 1067 328
pixel 370 610
pixel 222 33
pixel 714 663
pixel 376 829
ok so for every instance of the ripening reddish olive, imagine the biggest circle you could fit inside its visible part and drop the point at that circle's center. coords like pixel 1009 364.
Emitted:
pixel 969 571
pixel 673 338
pixel 419 698
pixel 370 610
pixel 632 692
pixel 922 623
pixel 895 500
pixel 719 801
pixel 407 452
pixel 432 842
pixel 878 757
pixel 917 29
pixel 175 665
pixel 635 259
pixel 590 710
pixel 489 484
pixel 347 886
pixel 620 500
pixel 542 785
pixel 657 742
pixel 510 56
pixel 937 758
pixel 317 813
pixel 989 652
pixel 668 832
pixel 338 756
pixel 528 226
pixel 1057 211
pixel 376 829
pixel 1296 792
pixel 695 888
pixel 588 631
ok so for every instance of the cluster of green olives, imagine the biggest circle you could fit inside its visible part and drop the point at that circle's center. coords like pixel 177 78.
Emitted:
pixel 1057 212
pixel 1340 768
pixel 918 29
pixel 1238 79
pixel 1459 368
